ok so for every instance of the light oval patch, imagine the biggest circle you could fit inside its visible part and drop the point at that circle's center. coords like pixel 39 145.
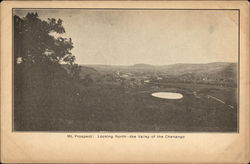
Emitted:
pixel 167 95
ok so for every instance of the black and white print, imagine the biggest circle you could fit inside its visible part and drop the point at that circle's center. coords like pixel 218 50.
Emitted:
pixel 125 70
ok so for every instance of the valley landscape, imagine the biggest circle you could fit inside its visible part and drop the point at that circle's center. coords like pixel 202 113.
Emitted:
pixel 124 72
pixel 118 98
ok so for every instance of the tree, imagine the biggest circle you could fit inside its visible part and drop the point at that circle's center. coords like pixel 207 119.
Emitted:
pixel 35 41
pixel 43 88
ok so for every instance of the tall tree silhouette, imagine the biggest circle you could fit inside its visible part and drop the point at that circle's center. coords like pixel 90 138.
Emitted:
pixel 35 41
pixel 43 87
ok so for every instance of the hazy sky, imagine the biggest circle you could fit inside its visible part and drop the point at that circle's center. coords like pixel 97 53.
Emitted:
pixel 158 37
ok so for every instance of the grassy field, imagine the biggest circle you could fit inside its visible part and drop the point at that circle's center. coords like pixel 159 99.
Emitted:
pixel 109 107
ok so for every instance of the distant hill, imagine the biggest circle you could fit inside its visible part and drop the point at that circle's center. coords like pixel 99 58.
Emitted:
pixel 181 68
pixel 198 68
pixel 211 73
pixel 219 71
pixel 142 65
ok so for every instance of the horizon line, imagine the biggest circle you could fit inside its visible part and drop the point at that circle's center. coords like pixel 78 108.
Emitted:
pixel 150 64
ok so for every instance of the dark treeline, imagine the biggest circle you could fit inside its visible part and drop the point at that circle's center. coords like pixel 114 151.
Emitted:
pixel 42 87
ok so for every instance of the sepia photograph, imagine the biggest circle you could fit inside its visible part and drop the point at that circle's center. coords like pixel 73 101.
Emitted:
pixel 124 82
pixel 125 70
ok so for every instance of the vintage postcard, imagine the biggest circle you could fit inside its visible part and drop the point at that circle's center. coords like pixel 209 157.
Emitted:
pixel 125 82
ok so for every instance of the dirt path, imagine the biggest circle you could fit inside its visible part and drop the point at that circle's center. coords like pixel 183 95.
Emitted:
pixel 215 98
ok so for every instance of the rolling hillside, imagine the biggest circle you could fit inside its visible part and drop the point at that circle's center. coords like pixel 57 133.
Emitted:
pixel 222 69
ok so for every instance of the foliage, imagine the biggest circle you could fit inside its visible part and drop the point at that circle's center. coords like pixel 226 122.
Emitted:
pixel 35 41
pixel 42 86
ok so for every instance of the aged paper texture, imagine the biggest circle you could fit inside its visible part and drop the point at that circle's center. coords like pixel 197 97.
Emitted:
pixel 125 82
